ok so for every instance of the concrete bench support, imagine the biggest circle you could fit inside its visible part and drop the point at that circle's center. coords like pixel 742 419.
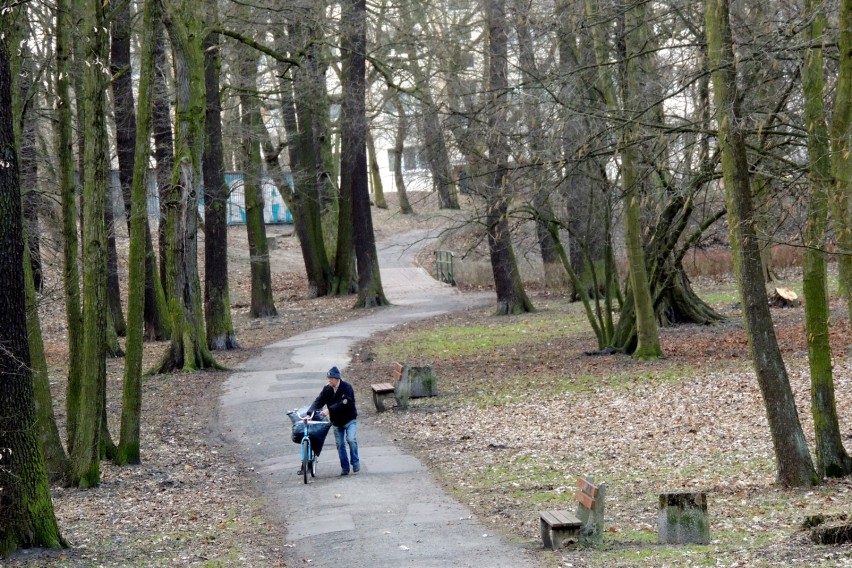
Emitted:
pixel 683 519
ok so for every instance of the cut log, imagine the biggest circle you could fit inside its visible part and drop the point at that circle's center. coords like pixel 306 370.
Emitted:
pixel 784 298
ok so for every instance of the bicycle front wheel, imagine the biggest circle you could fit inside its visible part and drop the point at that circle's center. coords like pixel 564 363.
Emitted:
pixel 314 466
pixel 306 457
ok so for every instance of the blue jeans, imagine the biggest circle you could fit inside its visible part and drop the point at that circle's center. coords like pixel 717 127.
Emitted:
pixel 349 432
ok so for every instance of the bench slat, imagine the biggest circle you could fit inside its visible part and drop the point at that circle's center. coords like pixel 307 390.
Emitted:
pixel 585 500
pixel 560 519
pixel 382 388
pixel 397 371
pixel 587 487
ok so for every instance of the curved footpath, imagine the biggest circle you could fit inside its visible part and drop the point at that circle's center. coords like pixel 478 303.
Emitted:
pixel 392 513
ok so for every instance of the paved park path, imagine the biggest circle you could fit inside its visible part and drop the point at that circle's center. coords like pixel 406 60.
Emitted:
pixel 392 513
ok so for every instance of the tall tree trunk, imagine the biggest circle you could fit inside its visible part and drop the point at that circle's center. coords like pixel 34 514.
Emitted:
pixel 156 314
pixel 354 43
pixel 24 97
pixel 647 335
pixel 28 517
pixel 795 467
pixel 113 299
pixel 435 144
pixel 29 164
pixel 85 459
pixel 164 152
pixel 584 189
pixel 841 154
pixel 555 276
pixel 511 296
pixel 298 114
pixel 188 348
pixel 68 195
pixel 55 458
pixel 831 457
pixel 398 149
pixel 375 173
pixel 344 276
pixel 217 304
pixel 262 303
pixel 128 450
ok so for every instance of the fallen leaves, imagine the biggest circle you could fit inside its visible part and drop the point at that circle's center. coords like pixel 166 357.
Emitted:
pixel 513 428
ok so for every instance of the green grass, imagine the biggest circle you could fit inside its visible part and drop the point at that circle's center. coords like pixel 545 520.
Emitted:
pixel 461 341
pixel 656 555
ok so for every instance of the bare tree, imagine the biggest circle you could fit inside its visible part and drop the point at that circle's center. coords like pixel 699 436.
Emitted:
pixel 793 459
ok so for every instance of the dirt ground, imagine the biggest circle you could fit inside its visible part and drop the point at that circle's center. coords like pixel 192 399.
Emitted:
pixel 524 420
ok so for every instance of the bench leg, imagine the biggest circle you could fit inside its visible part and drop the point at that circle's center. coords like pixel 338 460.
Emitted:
pixel 560 537
pixel 379 401
pixel 546 535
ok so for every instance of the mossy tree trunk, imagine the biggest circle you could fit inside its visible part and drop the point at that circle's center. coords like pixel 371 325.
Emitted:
pixel 68 196
pixel 262 303
pixel 217 304
pixel 24 97
pixel 128 450
pixel 795 467
pixel 840 200
pixel 28 516
pixel 831 457
pixel 188 348
pixel 164 153
pixel 345 275
pixel 85 457
pixel 647 336
pixel 55 458
pixel 156 313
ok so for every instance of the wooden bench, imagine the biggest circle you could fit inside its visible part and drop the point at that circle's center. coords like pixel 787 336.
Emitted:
pixel 406 382
pixel 559 528
pixel 380 392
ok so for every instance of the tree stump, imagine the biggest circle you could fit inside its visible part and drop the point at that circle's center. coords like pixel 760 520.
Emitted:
pixel 829 529
pixel 683 519
pixel 784 298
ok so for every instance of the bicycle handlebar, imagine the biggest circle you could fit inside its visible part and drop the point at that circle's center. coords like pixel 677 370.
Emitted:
pixel 304 418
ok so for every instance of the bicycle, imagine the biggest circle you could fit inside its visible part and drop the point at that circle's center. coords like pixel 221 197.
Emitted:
pixel 310 435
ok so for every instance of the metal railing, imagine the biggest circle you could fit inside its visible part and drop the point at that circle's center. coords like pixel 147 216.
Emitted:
pixel 444 266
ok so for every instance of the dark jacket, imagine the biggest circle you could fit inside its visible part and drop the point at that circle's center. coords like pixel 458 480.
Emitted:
pixel 341 404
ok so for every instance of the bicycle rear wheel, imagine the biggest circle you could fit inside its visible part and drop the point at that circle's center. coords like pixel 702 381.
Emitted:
pixel 306 461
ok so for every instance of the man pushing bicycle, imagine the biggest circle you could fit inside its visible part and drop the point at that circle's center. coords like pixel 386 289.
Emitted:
pixel 338 398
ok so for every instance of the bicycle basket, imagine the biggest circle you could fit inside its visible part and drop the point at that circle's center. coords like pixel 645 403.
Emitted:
pixel 317 431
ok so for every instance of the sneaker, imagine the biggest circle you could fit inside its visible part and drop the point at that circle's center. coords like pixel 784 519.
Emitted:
pixel 342 473
pixel 356 468
pixel 301 471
